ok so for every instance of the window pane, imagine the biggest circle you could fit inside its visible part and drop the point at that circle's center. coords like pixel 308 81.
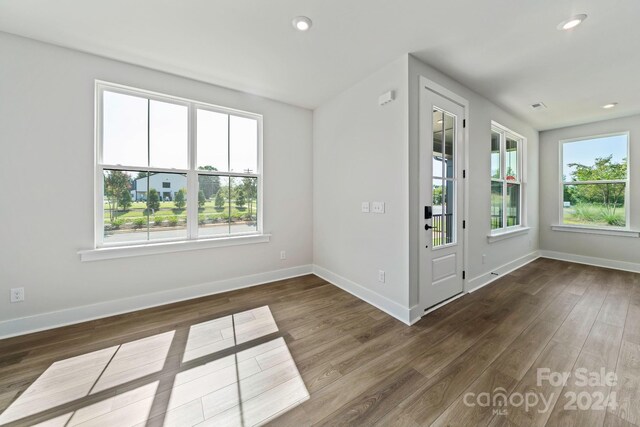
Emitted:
pixel 124 211
pixel 496 205
pixel 214 213
pixel 449 135
pixel 124 130
pixel 437 221
pixel 513 204
pixel 594 204
pixel 495 155
pixel 513 170
pixel 169 135
pixel 213 140
pixel 167 205
pixel 595 159
pixel 448 212
pixel 244 195
pixel 438 132
pixel 243 144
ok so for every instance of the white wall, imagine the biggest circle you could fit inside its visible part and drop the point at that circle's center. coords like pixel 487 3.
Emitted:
pixel 47 143
pixel 366 152
pixel 501 255
pixel 618 249
pixel 360 154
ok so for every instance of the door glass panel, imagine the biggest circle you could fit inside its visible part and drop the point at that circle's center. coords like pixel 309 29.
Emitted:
pixel 449 135
pixel 448 205
pixel 437 219
pixel 438 132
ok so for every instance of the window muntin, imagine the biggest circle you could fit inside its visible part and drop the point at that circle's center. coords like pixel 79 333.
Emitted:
pixel 507 181
pixel 148 185
pixel 595 181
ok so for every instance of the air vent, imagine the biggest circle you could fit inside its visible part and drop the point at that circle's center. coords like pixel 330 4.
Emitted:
pixel 538 106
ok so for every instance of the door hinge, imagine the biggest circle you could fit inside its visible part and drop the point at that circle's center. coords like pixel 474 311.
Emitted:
pixel 464 173
pixel 464 224
pixel 464 123
pixel 464 274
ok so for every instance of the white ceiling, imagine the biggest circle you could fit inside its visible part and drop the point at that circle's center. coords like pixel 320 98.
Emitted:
pixel 507 50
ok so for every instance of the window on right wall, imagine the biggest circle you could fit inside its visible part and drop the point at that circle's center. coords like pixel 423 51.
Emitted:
pixel 595 181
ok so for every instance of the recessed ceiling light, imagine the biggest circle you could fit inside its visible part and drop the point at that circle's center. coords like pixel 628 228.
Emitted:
pixel 301 23
pixel 572 22
pixel 611 105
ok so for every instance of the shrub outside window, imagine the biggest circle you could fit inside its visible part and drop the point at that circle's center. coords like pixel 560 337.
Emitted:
pixel 172 169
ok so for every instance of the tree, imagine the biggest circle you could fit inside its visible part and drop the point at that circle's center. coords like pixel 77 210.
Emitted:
pixel 221 198
pixel 153 200
pixel 610 196
pixel 201 199
pixel 125 199
pixel 250 187
pixel 181 199
pixel 142 175
pixel 209 184
pixel 115 183
pixel 240 200
pixel 437 195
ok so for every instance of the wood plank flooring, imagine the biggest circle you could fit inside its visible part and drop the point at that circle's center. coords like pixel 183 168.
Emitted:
pixel 302 352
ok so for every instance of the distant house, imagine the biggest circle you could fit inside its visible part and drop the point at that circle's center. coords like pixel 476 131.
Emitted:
pixel 166 184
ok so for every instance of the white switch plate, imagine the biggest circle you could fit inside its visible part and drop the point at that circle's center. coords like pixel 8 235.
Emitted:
pixel 283 255
pixel 377 207
pixel 365 207
pixel 17 294
pixel 381 276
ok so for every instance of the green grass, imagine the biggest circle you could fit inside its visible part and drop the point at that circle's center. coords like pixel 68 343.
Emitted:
pixel 168 209
pixel 594 215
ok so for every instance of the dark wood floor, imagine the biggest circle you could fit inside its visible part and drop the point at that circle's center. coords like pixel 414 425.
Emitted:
pixel 347 363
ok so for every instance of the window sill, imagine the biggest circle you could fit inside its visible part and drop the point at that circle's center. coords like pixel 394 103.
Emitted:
pixel 168 247
pixel 594 230
pixel 502 235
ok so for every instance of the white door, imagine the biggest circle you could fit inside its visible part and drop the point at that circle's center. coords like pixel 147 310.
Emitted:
pixel 441 199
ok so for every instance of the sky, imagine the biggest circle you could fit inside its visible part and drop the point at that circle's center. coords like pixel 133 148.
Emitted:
pixel 586 151
pixel 125 140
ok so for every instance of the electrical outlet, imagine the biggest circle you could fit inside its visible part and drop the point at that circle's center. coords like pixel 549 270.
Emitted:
pixel 377 207
pixel 365 207
pixel 17 294
pixel 283 255
pixel 381 276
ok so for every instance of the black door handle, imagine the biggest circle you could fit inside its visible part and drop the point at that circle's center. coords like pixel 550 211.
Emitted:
pixel 427 227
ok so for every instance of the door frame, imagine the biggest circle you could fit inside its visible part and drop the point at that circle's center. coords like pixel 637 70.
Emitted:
pixel 428 84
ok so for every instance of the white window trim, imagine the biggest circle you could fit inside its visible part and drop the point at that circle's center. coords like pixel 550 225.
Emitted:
pixel 522 228
pixel 602 230
pixel 102 250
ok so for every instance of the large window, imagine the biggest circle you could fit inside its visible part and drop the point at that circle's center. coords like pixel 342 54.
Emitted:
pixel 595 181
pixel 506 178
pixel 173 169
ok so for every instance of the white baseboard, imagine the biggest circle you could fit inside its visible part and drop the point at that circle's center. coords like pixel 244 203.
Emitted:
pixel 597 262
pixel 375 299
pixel 55 319
pixel 488 277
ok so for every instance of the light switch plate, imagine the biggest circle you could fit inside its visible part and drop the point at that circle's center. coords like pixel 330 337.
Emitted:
pixel 365 207
pixel 377 207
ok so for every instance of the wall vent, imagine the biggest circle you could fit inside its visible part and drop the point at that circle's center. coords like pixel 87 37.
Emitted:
pixel 538 106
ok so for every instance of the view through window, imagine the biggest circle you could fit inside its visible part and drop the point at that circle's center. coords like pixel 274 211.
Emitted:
pixel 174 169
pixel 595 181
pixel 506 178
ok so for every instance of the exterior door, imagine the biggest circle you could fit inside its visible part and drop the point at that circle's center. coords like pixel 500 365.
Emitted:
pixel 441 199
